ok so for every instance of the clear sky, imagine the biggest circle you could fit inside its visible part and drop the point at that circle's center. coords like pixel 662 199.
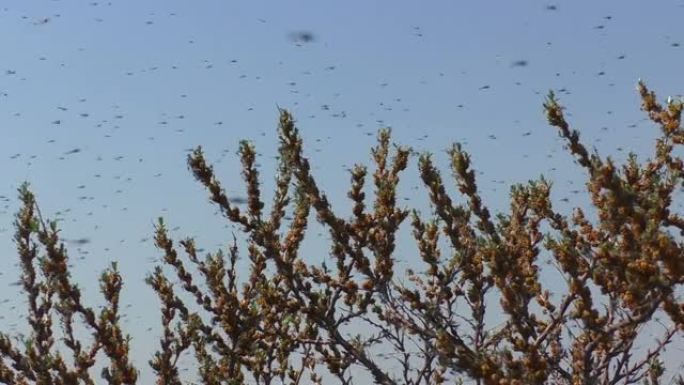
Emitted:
pixel 100 101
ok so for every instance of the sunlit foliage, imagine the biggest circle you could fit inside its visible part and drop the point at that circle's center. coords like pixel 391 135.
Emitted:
pixel 289 321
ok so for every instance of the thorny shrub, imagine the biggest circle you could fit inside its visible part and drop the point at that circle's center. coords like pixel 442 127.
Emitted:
pixel 285 322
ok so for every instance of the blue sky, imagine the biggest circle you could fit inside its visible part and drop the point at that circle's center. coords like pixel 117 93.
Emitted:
pixel 99 102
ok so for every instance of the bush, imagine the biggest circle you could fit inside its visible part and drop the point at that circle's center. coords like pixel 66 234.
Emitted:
pixel 289 321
